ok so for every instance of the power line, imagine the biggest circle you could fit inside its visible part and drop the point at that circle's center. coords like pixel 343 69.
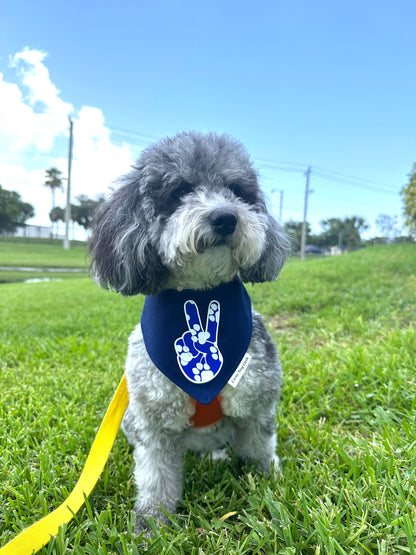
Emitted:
pixel 128 141
pixel 125 136
pixel 282 166
pixel 34 154
pixel 132 132
pixel 350 177
pixel 270 163
pixel 39 123
pixel 330 175
pixel 335 200
pixel 391 191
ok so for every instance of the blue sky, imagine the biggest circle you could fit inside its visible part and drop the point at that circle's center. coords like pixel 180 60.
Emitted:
pixel 326 84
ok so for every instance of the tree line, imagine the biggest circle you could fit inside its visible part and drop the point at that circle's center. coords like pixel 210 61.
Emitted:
pixel 14 212
pixel 81 213
pixel 336 232
pixel 346 233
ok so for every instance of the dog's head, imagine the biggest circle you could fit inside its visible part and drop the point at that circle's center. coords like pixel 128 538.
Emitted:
pixel 190 215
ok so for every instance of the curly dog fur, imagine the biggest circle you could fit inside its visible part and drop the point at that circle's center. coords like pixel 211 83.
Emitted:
pixel 190 215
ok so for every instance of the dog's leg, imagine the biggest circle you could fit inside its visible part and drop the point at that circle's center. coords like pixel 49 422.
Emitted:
pixel 158 476
pixel 255 441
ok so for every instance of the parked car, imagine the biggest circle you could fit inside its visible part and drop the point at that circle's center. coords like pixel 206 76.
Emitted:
pixel 313 249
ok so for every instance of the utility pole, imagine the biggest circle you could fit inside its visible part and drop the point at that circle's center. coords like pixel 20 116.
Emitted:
pixel 340 236
pixel 280 203
pixel 281 207
pixel 305 212
pixel 68 189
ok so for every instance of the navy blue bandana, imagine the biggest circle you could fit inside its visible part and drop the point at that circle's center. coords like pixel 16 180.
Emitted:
pixel 198 358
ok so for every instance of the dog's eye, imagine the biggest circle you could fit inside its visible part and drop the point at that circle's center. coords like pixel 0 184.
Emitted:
pixel 244 193
pixel 182 189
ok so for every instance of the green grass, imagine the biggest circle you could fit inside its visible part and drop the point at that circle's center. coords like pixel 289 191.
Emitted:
pixel 39 254
pixel 346 331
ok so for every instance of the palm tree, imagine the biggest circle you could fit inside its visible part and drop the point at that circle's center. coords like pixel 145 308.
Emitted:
pixel 53 181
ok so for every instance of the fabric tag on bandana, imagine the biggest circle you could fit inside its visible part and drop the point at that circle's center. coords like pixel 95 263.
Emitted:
pixel 199 338
pixel 238 374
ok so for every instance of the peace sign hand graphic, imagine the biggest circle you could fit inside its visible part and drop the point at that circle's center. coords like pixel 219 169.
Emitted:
pixel 197 350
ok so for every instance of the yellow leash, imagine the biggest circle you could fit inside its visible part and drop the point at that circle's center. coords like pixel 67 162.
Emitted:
pixel 36 536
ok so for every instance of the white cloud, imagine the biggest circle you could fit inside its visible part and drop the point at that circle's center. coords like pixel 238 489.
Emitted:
pixel 97 161
pixel 49 110
pixel 34 120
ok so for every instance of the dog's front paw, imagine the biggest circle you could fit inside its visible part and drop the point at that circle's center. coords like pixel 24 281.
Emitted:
pixel 220 455
pixel 142 527
pixel 276 469
pixel 147 525
pixel 271 467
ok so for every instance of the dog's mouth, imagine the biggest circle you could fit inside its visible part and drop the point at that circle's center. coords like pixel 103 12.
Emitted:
pixel 203 244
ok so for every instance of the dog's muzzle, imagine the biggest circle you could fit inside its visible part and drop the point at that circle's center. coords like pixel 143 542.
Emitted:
pixel 222 223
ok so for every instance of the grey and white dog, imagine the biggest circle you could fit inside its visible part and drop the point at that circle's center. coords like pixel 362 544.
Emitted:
pixel 190 215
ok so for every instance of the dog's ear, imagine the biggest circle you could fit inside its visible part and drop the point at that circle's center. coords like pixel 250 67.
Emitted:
pixel 123 259
pixel 276 249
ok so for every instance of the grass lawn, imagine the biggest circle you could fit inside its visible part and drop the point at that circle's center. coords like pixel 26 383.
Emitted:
pixel 345 327
pixel 39 254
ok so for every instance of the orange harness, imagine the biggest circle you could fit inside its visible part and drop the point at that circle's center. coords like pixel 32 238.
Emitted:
pixel 207 415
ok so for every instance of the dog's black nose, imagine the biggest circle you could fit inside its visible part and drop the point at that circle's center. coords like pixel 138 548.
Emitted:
pixel 223 221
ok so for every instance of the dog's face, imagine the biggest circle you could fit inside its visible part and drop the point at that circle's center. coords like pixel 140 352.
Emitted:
pixel 189 216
